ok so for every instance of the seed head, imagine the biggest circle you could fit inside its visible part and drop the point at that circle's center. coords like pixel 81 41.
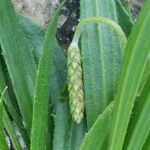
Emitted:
pixel 75 84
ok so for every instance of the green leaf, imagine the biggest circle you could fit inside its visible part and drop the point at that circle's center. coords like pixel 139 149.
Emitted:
pixel 61 112
pixel 76 135
pixel 139 128
pixel 35 35
pixel 124 18
pixel 10 129
pixel 126 5
pixel 97 135
pixel 19 60
pixel 67 134
pixel 147 143
pixel 62 126
pixel 40 139
pixel 146 73
pixel 133 68
pixel 102 54
pixel 3 144
pixel 11 105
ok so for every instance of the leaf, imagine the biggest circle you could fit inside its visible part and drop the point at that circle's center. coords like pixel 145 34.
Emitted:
pixel 35 36
pixel 39 138
pixel 62 117
pixel 132 72
pixel 139 128
pixel 11 105
pixel 62 126
pixel 61 112
pixel 97 135
pixel 127 5
pixel 76 135
pixel 147 143
pixel 3 144
pixel 124 18
pixel 9 127
pixel 146 73
pixel 19 60
pixel 102 54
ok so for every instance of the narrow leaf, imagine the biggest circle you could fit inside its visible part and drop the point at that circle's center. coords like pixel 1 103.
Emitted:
pixel 10 129
pixel 147 143
pixel 141 129
pixel 132 72
pixel 19 60
pixel 76 135
pixel 3 144
pixel 124 18
pixel 146 74
pixel 39 138
pixel 97 135
pixel 11 107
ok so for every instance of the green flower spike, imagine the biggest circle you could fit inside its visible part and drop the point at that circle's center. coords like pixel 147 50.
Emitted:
pixel 75 83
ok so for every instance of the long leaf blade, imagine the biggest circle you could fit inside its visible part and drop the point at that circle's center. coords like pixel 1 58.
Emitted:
pixel 97 135
pixel 19 59
pixel 9 127
pixel 142 125
pixel 11 105
pixel 124 18
pixel 3 143
pixel 132 72
pixel 39 138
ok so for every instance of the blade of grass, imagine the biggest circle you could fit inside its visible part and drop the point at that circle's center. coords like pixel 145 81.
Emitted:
pixel 12 107
pixel 19 60
pixel 147 143
pixel 76 135
pixel 126 5
pixel 144 78
pixel 9 127
pixel 61 112
pixel 62 122
pixel 39 138
pixel 97 135
pixel 102 54
pixel 6 121
pixel 132 72
pixel 124 18
pixel 62 117
pixel 3 144
pixel 139 124
pixel 35 36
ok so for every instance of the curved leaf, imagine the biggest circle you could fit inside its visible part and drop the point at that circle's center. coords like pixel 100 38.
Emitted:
pixel 97 135
pixel 3 143
pixel 19 60
pixel 141 128
pixel 132 72
pixel 102 54
pixel 124 18
pixel 41 139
